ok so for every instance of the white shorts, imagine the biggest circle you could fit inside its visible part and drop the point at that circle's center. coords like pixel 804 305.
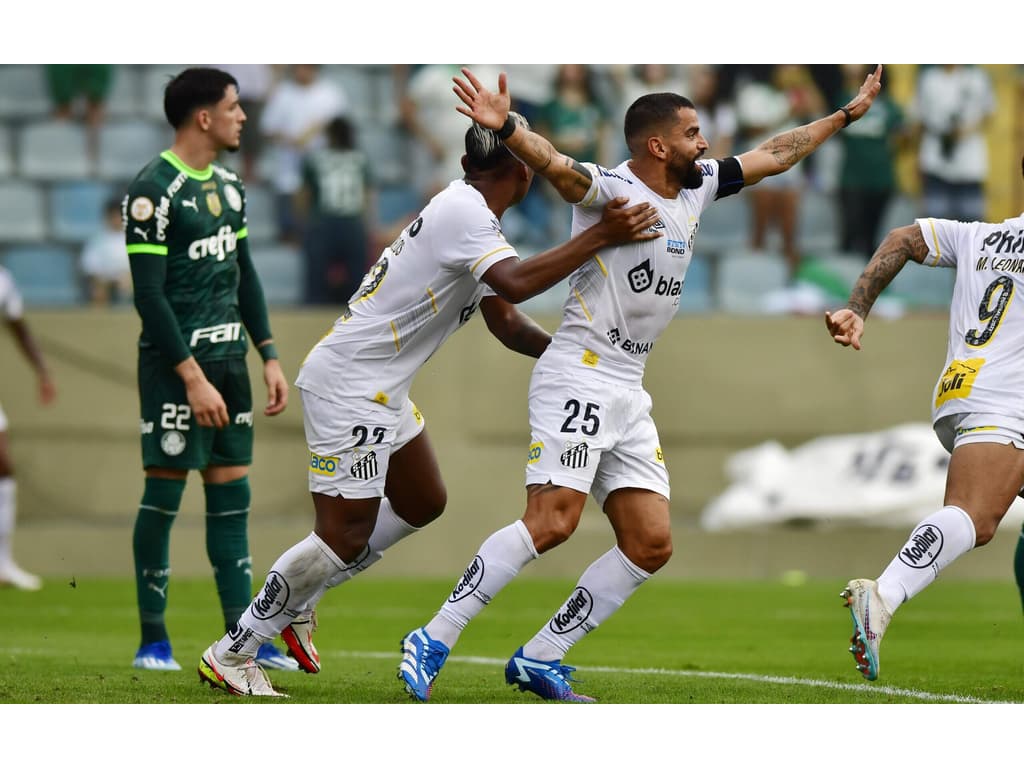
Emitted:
pixel 962 428
pixel 350 444
pixel 592 436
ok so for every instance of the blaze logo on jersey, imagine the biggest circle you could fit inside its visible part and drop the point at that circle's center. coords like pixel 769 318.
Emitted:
pixel 641 277
pixel 323 465
pixel 219 245
pixel 957 380
pixel 216 334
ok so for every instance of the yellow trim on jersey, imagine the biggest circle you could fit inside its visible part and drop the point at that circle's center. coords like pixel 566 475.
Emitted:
pixel 935 241
pixel 583 305
pixel 381 398
pixel 488 255
pixel 600 263
pixel 159 250
pixel 433 302
pixel 586 201
pixel 394 332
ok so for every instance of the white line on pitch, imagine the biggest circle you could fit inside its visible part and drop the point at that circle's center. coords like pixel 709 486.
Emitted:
pixel 771 679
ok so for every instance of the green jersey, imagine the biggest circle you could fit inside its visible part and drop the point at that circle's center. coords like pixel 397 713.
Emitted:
pixel 194 221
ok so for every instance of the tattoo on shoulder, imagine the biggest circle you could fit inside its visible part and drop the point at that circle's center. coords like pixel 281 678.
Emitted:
pixel 915 245
pixel 582 170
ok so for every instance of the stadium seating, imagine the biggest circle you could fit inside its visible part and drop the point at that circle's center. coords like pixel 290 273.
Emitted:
pixel 281 271
pixel 6 152
pixel 76 209
pixel 745 278
pixel 23 91
pixel 126 146
pixel 723 226
pixel 54 149
pixel 124 99
pixel 817 222
pixel 153 79
pixel 46 275
pixel 259 213
pixel 698 294
pixel 22 211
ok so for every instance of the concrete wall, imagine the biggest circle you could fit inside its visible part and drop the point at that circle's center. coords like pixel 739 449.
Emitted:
pixel 719 383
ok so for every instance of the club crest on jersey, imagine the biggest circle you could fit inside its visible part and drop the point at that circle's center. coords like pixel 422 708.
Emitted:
pixel 233 197
pixel 142 209
pixel 213 203
pixel 364 468
pixel 172 443
pixel 574 456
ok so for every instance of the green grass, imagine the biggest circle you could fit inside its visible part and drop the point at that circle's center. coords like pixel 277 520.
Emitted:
pixel 672 643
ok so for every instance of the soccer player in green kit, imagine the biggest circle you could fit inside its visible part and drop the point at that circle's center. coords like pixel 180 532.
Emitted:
pixel 200 301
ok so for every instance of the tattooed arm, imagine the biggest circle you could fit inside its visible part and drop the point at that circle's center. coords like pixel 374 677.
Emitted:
pixel 569 178
pixel 902 244
pixel 782 152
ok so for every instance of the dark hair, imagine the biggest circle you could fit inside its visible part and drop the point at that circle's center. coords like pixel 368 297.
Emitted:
pixel 484 150
pixel 341 133
pixel 192 89
pixel 649 112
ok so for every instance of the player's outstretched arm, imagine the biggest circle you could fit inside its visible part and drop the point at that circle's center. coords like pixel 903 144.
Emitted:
pixel 517 280
pixel 780 153
pixel 903 244
pixel 513 327
pixel 569 178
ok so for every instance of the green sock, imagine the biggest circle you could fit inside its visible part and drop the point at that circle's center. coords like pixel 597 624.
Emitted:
pixel 1018 565
pixel 151 543
pixel 227 545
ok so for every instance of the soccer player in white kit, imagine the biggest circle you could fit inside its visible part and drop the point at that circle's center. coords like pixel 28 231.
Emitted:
pixel 592 431
pixel 977 404
pixel 12 311
pixel 373 474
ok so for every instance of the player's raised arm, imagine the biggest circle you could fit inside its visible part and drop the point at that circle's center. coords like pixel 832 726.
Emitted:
pixel 780 153
pixel 901 245
pixel 492 110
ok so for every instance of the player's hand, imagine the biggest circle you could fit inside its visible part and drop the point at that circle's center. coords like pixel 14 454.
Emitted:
pixel 623 225
pixel 866 95
pixel 845 326
pixel 482 106
pixel 277 388
pixel 208 408
pixel 47 389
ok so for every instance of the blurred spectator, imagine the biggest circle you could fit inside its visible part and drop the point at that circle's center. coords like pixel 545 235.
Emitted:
pixel 715 110
pixel 255 84
pixel 335 197
pixel 574 120
pixel 293 123
pixel 867 175
pixel 104 261
pixel 768 103
pixel 951 107
pixel 72 84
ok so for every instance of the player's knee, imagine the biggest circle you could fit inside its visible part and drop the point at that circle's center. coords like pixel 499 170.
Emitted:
pixel 556 530
pixel 651 554
pixel 984 530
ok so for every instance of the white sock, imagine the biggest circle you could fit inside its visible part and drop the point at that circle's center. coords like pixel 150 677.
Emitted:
pixel 936 542
pixel 600 592
pixel 296 576
pixel 7 489
pixel 388 530
pixel 497 562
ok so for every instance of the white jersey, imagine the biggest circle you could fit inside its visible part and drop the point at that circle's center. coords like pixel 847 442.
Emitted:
pixel 985 355
pixel 11 307
pixel 620 301
pixel 424 286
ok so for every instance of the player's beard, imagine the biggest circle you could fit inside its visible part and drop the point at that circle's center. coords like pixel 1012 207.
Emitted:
pixel 687 173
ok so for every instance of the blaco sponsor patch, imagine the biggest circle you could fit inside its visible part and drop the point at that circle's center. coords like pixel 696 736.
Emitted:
pixel 533 455
pixel 957 380
pixel 323 465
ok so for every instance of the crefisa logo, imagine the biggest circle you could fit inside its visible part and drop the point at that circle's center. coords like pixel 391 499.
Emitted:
pixel 469 582
pixel 573 614
pixel 923 548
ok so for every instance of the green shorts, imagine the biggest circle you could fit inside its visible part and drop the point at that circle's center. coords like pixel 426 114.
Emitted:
pixel 170 436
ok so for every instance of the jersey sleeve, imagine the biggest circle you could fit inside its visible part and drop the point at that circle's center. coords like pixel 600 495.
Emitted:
pixel 11 305
pixel 146 218
pixel 941 235
pixel 605 185
pixel 479 244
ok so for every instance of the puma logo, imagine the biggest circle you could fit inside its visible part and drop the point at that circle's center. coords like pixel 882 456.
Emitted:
pixel 190 204
pixel 162 591
pixel 142 233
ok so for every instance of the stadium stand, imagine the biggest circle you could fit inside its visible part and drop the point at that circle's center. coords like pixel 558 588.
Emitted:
pixel 46 275
pixel 76 209
pixel 6 153
pixel 50 150
pixel 280 268
pixel 23 91
pixel 124 147
pixel 22 211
